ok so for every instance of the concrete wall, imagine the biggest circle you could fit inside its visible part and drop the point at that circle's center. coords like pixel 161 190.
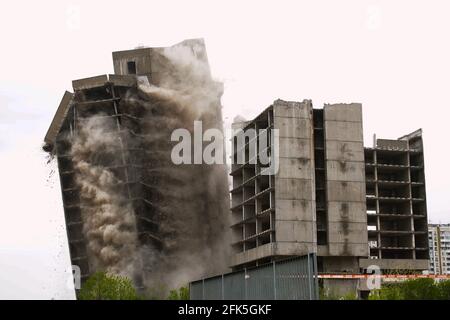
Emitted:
pixel 153 62
pixel 396 264
pixel 141 57
pixel 88 83
pixel 59 117
pixel 394 144
pixel 345 169
pixel 295 220
pixel 340 287
pixel 274 249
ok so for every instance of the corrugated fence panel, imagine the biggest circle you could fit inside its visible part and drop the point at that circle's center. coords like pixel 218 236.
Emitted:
pixel 291 279
pixel 213 288
pixel 234 286
pixel 196 290
pixel 260 283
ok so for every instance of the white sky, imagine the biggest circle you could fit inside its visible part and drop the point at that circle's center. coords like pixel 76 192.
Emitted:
pixel 391 57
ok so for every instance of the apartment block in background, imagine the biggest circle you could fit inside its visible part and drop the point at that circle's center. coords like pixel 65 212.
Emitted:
pixel 439 243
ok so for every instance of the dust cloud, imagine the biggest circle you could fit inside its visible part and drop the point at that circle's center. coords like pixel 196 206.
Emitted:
pixel 160 224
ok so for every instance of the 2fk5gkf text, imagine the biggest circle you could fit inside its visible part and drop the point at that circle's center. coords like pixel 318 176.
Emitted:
pixel 226 309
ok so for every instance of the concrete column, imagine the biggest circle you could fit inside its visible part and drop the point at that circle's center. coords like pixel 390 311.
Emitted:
pixel 295 221
pixel 345 170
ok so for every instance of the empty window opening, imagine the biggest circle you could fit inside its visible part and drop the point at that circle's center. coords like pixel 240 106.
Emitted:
pixel 131 67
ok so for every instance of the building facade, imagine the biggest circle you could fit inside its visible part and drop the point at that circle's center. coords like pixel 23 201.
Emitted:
pixel 439 244
pixel 353 206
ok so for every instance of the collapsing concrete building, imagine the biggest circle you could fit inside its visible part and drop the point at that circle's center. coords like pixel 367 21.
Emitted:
pixel 131 211
pixel 352 206
pixel 128 208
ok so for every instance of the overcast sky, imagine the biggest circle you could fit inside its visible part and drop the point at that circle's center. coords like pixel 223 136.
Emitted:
pixel 392 56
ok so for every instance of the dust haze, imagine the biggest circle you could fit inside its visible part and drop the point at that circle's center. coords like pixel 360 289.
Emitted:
pixel 162 224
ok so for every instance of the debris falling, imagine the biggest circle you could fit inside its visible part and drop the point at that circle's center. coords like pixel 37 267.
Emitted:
pixel 160 224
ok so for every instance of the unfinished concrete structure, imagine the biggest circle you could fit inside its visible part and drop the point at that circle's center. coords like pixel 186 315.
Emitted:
pixel 396 203
pixel 317 202
pixel 128 208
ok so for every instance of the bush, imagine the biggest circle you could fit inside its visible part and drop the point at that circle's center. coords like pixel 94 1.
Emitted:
pixel 419 289
pixel 104 286
pixel 415 289
pixel 329 295
pixel 390 291
pixel 180 294
pixel 157 292
pixel 444 290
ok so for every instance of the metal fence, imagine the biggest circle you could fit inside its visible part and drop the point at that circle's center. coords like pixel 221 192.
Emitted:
pixel 290 279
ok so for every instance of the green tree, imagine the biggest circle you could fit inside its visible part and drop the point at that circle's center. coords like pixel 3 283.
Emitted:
pixel 105 286
pixel 180 294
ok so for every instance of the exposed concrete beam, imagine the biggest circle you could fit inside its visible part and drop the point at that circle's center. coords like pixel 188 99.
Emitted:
pixel 58 119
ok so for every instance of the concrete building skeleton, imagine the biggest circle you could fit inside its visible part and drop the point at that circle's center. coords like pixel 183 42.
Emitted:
pixel 353 206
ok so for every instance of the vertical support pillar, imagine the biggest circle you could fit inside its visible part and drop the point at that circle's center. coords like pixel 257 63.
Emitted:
pixel 377 202
pixel 309 277
pixel 203 289
pixel 274 281
pixel 223 288
pixel 316 280
pixel 410 196
pixel 122 146
pixel 245 284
